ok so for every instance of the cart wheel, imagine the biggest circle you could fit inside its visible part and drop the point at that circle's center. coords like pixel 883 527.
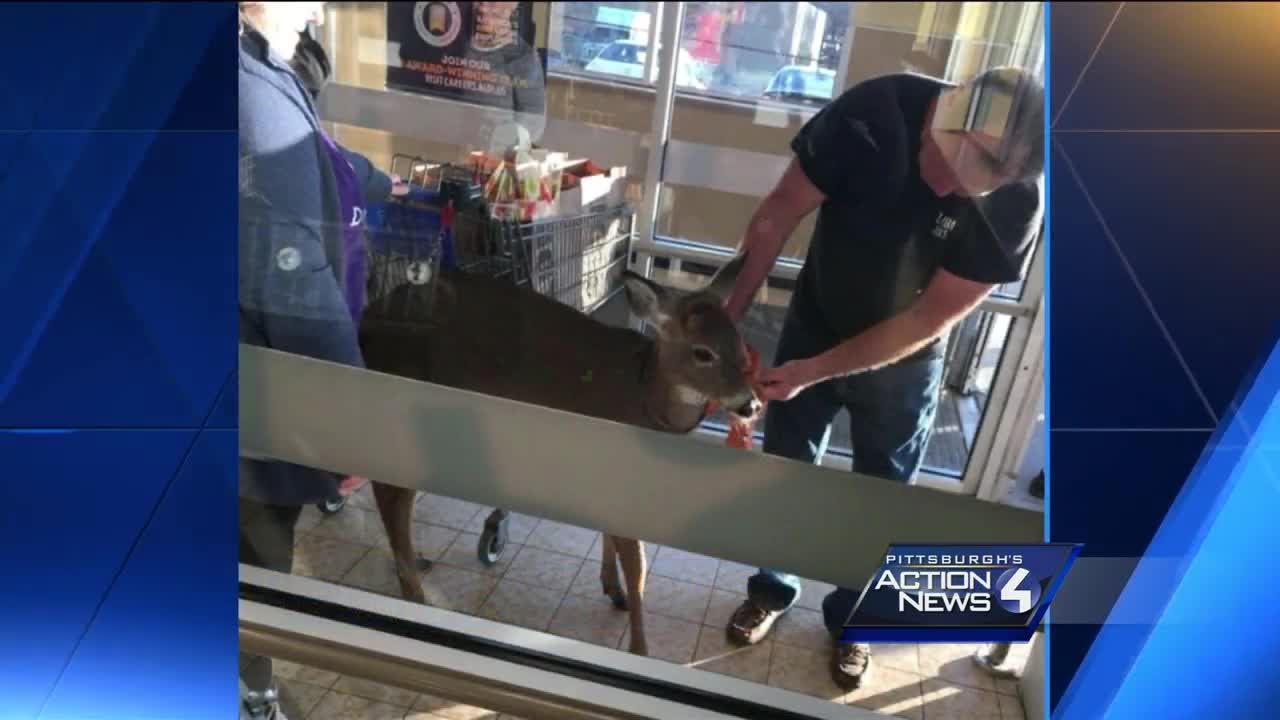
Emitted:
pixel 493 541
pixel 332 505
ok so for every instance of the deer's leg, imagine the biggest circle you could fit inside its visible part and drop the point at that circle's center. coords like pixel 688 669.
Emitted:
pixel 631 556
pixel 609 573
pixel 395 505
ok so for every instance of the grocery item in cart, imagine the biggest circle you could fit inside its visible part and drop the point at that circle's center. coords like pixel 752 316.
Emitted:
pixel 587 186
pixel 522 189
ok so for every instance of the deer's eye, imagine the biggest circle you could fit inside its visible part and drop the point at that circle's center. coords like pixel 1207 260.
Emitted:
pixel 703 355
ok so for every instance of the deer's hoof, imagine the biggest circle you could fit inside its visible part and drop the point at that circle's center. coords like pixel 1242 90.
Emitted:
pixel 414 595
pixel 424 564
pixel 618 598
pixel 639 649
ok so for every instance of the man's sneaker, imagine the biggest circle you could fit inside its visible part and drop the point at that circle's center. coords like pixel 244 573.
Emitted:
pixel 851 665
pixel 750 623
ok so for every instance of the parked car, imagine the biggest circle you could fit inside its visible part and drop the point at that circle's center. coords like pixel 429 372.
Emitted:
pixel 797 83
pixel 625 58
pixel 598 39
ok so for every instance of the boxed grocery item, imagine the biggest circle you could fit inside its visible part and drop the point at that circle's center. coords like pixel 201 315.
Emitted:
pixel 586 186
pixel 539 183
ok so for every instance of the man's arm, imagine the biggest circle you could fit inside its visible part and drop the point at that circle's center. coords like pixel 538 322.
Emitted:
pixel 947 299
pixel 835 154
pixel 774 220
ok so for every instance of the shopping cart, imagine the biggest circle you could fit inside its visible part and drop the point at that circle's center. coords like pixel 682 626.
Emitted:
pixel 444 223
pixel 410 238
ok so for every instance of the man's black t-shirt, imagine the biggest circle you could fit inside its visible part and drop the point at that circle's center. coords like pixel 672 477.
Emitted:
pixel 881 233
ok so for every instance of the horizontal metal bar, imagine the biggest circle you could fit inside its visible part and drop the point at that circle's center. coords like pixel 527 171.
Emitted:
pixel 1005 306
pixel 272 632
pixel 535 690
pixel 761 105
pixel 715 256
pixel 788 269
pixel 454 123
pixel 729 170
pixel 627 481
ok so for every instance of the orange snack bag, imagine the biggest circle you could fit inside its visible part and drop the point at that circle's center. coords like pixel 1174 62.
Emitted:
pixel 741 432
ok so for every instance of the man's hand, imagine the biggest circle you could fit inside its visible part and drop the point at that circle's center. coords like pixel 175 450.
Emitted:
pixel 947 299
pixel 787 380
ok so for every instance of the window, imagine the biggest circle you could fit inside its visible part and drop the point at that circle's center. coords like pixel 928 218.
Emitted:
pixel 583 32
pixel 802 85
pixel 622 52
pixel 784 52
pixel 780 51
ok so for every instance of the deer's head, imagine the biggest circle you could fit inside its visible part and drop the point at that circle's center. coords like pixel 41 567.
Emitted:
pixel 699 349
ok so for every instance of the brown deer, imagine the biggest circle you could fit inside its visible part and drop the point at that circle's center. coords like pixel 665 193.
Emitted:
pixel 489 336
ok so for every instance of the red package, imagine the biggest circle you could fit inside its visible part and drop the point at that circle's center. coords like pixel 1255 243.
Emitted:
pixel 741 432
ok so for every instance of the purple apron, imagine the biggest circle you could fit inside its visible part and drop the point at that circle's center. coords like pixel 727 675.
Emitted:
pixel 351 198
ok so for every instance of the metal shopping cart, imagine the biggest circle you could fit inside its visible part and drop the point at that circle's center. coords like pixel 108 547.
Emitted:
pixel 444 223
pixel 409 240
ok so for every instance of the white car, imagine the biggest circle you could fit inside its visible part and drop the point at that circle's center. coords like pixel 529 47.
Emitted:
pixel 625 58
pixel 798 83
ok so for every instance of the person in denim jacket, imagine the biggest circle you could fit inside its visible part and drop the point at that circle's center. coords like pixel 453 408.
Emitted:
pixel 302 201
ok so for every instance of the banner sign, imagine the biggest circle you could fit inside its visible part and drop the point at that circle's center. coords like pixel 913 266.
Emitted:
pixel 479 52
pixel 959 593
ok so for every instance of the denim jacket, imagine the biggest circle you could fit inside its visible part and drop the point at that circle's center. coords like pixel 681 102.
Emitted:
pixel 291 248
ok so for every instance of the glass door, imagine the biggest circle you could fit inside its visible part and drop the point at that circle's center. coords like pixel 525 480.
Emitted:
pixel 758 72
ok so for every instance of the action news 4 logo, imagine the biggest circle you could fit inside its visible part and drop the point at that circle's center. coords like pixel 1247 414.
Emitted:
pixel 959 593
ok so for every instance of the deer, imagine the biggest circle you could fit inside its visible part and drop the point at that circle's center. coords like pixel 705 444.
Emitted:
pixel 493 337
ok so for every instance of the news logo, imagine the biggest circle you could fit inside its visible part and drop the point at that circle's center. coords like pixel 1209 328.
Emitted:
pixel 959 593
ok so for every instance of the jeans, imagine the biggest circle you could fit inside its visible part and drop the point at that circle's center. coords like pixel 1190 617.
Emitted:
pixel 891 412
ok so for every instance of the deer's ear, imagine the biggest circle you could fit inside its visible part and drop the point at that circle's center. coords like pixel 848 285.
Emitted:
pixel 648 299
pixel 722 283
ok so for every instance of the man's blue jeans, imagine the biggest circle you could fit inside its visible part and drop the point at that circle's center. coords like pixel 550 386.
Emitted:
pixel 891 412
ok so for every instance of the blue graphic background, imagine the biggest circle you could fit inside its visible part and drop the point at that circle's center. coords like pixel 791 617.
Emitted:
pixel 1163 311
pixel 117 359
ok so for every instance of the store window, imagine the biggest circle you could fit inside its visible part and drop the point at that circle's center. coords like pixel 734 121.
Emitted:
pixel 582 32
pixel 779 51
pixel 785 52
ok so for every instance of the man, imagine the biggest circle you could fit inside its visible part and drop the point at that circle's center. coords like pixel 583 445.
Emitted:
pixel 929 196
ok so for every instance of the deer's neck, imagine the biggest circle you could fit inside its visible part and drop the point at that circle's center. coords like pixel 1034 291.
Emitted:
pixel 670 405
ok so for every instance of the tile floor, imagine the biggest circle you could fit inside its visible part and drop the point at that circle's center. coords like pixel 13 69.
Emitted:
pixel 548 580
